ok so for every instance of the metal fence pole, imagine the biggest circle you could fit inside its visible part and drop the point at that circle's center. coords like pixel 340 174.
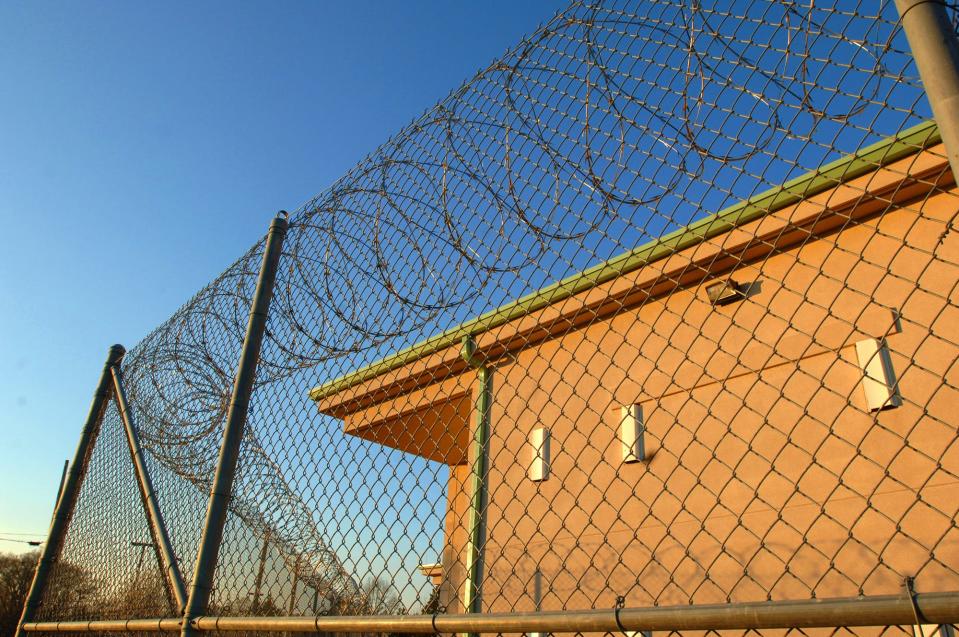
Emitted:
pixel 158 530
pixel 258 582
pixel 216 512
pixel 70 490
pixel 63 479
pixel 885 610
pixel 474 556
pixel 296 581
pixel 935 49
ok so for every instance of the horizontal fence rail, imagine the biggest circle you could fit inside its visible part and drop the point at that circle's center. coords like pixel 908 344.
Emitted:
pixel 651 325
pixel 934 608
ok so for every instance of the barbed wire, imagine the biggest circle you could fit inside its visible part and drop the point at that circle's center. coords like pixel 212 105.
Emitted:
pixel 611 126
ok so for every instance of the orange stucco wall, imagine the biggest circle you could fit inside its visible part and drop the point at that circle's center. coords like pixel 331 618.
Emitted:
pixel 766 474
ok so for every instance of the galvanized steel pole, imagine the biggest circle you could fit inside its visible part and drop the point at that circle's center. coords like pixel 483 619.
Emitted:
pixel 296 581
pixel 70 491
pixel 935 49
pixel 216 512
pixel 472 602
pixel 161 539
pixel 258 582
pixel 63 479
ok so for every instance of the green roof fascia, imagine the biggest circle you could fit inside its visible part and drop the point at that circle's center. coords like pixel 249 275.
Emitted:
pixel 842 170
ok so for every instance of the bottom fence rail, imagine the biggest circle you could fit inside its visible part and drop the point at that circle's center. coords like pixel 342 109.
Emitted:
pixel 891 610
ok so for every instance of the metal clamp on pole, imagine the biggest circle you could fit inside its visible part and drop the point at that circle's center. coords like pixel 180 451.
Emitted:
pixel 935 49
pixel 71 489
pixel 216 512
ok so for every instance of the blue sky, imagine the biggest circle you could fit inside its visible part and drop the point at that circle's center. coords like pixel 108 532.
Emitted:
pixel 143 147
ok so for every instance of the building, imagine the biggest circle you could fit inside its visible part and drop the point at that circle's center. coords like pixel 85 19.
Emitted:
pixel 760 405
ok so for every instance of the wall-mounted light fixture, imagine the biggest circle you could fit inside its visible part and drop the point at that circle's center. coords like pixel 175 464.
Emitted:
pixel 878 376
pixel 539 462
pixel 725 292
pixel 632 433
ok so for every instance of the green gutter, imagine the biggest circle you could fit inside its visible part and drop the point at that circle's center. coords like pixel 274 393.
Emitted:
pixel 868 159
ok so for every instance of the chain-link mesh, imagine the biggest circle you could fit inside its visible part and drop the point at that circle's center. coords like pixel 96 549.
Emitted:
pixel 109 566
pixel 660 306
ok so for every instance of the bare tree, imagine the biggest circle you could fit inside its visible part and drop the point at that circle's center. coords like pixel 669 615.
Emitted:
pixel 16 573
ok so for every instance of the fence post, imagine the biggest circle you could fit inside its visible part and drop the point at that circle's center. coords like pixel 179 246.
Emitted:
pixel 71 489
pixel 216 511
pixel 480 447
pixel 63 479
pixel 258 582
pixel 935 49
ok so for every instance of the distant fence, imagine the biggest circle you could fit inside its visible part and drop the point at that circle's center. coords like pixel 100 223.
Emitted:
pixel 650 325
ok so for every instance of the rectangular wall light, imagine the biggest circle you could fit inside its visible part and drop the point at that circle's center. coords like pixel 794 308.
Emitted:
pixel 725 292
pixel 539 462
pixel 879 378
pixel 632 433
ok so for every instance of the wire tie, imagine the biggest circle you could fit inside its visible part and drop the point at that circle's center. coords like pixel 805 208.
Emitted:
pixel 439 609
pixel 620 604
pixel 911 591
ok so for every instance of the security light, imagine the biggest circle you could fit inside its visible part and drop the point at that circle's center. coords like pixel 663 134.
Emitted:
pixel 632 433
pixel 879 378
pixel 725 292
pixel 539 463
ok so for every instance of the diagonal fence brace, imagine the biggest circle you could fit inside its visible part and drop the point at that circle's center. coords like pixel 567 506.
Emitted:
pixel 161 538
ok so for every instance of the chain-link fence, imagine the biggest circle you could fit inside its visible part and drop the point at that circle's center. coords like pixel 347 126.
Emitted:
pixel 656 313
